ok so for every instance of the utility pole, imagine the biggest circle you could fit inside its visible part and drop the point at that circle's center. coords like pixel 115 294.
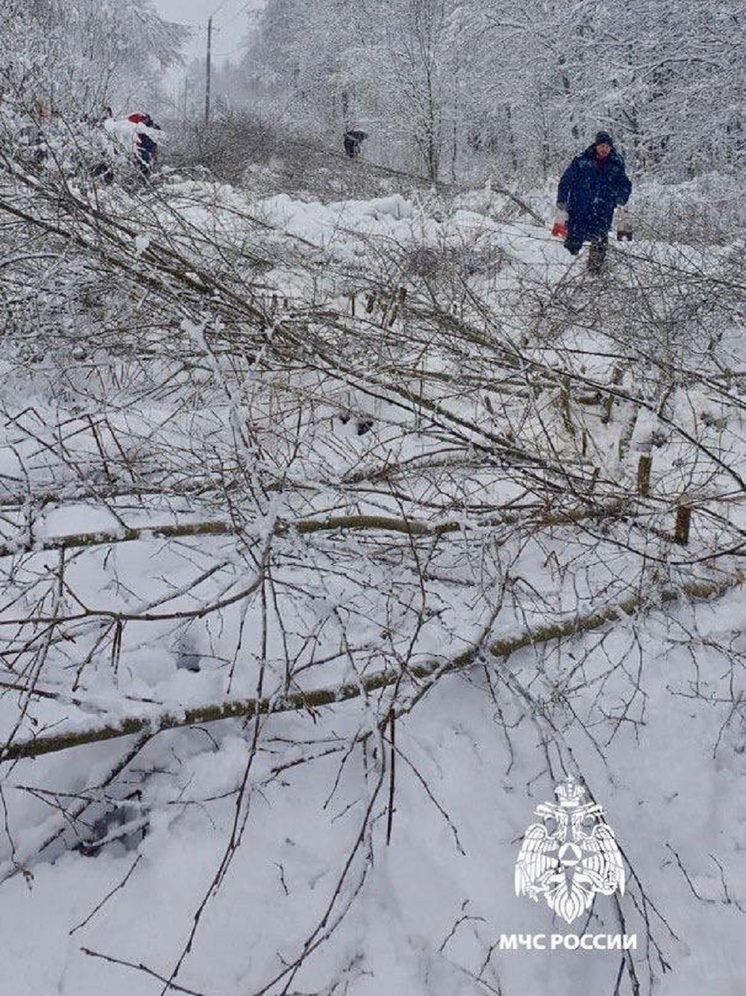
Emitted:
pixel 207 78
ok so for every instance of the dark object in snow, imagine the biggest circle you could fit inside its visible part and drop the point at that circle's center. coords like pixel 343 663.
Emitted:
pixel 353 140
pixel 188 657
pixel 362 425
pixel 103 171
pixel 188 662
pixel 121 823
pixel 592 186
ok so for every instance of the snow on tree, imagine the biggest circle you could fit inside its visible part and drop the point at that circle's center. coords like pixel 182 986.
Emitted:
pixel 528 81
pixel 75 57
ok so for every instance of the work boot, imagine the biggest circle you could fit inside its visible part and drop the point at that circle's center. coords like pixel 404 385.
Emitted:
pixel 596 255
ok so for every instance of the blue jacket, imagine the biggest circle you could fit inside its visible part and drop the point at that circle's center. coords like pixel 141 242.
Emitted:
pixel 591 189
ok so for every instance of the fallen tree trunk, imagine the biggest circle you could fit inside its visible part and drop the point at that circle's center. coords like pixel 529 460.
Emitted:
pixel 316 698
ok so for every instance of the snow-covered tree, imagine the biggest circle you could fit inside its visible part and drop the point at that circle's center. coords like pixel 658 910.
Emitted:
pixel 75 58
pixel 527 81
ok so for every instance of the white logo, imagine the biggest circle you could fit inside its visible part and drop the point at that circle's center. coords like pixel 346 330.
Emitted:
pixel 570 856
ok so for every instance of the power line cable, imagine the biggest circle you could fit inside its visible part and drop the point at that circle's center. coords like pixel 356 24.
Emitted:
pixel 219 8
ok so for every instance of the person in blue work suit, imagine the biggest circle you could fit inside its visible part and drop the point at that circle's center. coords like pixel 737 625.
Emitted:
pixel 592 186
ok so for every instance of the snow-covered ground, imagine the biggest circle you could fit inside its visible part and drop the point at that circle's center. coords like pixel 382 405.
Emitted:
pixel 366 473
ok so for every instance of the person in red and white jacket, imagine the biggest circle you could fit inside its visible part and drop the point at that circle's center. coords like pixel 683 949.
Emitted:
pixel 144 144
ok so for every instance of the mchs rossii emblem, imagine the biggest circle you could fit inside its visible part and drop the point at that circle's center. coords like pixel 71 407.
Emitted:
pixel 569 856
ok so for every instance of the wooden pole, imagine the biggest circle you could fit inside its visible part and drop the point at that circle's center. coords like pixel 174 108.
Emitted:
pixel 683 521
pixel 617 376
pixel 643 474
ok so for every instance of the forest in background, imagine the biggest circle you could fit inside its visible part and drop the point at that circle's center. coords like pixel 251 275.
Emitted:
pixel 447 90
pixel 451 89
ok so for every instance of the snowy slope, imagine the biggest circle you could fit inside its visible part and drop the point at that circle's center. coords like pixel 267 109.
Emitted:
pixel 383 453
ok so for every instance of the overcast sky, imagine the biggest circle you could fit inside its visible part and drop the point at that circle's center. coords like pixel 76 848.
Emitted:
pixel 229 22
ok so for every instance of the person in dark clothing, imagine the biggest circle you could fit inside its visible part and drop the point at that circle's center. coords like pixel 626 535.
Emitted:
pixel 353 140
pixel 146 151
pixel 591 187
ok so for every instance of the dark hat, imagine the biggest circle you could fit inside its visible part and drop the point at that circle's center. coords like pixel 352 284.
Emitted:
pixel 605 137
